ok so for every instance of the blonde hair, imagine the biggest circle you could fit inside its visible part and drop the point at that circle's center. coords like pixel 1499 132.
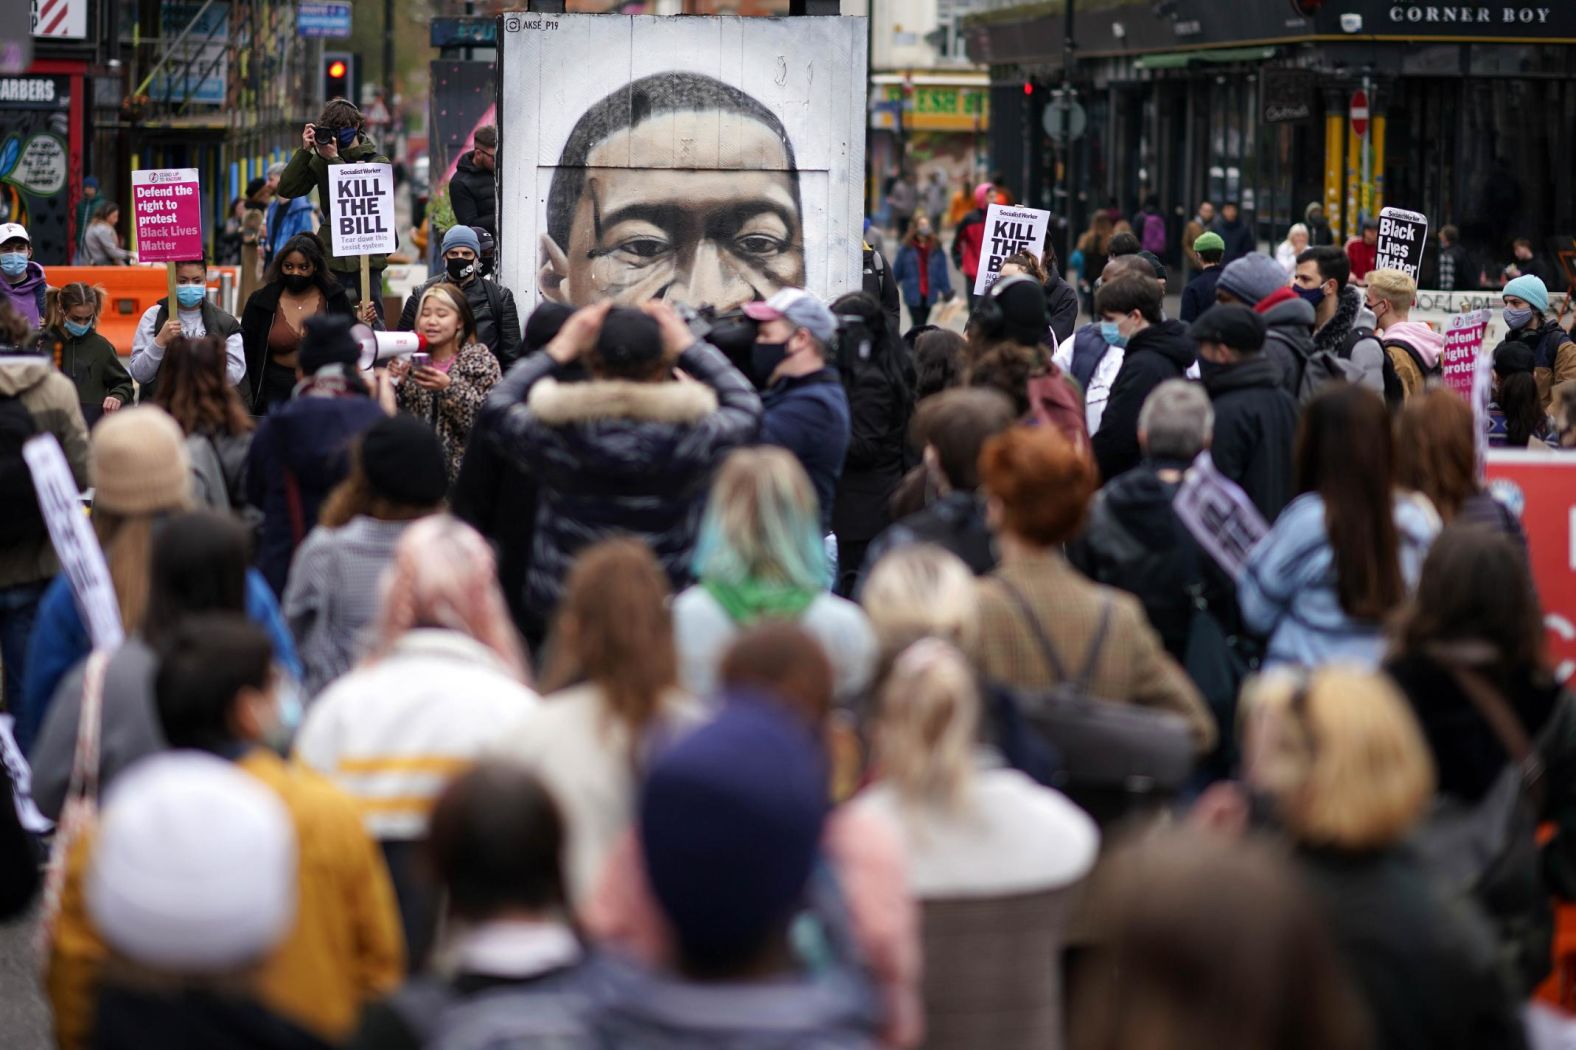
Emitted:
pixel 78 293
pixel 922 591
pixel 1342 755
pixel 127 542
pixel 928 725
pixel 443 575
pixel 762 523
pixel 1394 287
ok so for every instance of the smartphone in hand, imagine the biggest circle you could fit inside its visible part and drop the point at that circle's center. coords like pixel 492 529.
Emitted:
pixel 420 360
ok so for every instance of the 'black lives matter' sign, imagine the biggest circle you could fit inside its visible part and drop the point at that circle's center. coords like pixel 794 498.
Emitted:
pixel 1008 231
pixel 1402 237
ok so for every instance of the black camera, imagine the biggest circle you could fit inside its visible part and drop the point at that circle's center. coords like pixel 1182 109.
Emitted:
pixel 732 332
pixel 322 133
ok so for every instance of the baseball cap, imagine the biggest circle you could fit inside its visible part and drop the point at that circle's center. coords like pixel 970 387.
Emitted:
pixel 12 230
pixel 800 309
pixel 1230 324
pixel 1209 241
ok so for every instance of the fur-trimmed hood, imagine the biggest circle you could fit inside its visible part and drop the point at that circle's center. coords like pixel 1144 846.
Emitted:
pixel 560 404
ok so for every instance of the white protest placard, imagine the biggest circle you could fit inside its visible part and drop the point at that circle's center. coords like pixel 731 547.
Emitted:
pixel 1402 237
pixel 1008 231
pixel 21 781
pixel 75 545
pixel 361 209
pixel 1218 514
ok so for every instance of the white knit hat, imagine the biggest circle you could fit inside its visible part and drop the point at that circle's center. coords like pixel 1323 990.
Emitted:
pixel 194 867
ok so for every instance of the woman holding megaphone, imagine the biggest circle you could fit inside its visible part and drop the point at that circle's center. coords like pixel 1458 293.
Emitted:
pixel 446 384
pixel 298 286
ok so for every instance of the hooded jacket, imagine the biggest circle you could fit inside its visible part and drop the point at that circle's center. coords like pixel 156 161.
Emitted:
pixel 1368 354
pixel 27 295
pixel 473 196
pixel 299 452
pixel 497 318
pixel 1255 426
pixel 613 456
pixel 51 400
pixel 1288 340
pixel 1423 341
pixel 90 361
pixel 1160 352
pixel 1554 354
pixel 307 171
pixel 1133 541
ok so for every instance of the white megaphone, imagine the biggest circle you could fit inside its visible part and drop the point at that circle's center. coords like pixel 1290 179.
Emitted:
pixel 379 348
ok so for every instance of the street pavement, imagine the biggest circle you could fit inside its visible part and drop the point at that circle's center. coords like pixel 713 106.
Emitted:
pixel 24 1015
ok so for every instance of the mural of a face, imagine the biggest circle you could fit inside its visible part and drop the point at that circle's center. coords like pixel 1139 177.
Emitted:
pixel 678 187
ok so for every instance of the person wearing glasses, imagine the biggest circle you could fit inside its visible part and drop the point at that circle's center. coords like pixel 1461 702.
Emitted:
pixel 471 190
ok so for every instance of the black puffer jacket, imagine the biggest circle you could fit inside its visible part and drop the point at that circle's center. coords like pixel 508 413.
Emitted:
pixel 879 410
pixel 955 522
pixel 1255 425
pixel 472 195
pixel 497 319
pixel 1160 352
pixel 615 457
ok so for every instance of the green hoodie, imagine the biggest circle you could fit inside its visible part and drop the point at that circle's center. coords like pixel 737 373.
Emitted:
pixel 90 361
pixel 307 172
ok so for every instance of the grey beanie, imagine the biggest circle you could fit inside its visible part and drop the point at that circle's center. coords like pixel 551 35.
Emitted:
pixel 462 237
pixel 1252 278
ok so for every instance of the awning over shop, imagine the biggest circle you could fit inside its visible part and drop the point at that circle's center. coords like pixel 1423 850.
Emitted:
pixel 1182 59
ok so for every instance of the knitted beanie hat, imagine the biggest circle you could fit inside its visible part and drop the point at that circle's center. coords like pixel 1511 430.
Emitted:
pixel 139 463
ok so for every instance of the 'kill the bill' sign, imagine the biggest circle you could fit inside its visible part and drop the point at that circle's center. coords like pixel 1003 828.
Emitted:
pixel 1402 237
pixel 166 213
pixel 361 209
pixel 1008 231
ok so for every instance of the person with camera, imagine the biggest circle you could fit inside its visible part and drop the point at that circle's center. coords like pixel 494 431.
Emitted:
pixel 336 138
pixel 497 320
pixel 631 449
pixel 805 405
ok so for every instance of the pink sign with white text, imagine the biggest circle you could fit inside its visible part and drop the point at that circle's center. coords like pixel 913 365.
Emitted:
pixel 1463 344
pixel 166 210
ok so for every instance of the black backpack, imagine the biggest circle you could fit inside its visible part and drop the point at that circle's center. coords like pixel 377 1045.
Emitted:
pixel 1394 391
pixel 23 521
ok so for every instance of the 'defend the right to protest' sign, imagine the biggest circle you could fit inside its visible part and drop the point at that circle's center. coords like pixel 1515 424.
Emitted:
pixel 1008 231
pixel 1402 237
pixel 361 209
pixel 1463 345
pixel 166 210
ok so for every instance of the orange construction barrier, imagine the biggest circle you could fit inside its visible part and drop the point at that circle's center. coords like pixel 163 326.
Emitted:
pixel 132 289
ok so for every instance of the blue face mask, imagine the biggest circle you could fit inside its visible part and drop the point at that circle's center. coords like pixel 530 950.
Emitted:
pixel 1110 333
pixel 13 263
pixel 77 329
pixel 189 295
pixel 1313 296
pixel 1515 316
pixel 346 136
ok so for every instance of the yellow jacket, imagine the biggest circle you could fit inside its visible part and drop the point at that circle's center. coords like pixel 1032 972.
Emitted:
pixel 345 950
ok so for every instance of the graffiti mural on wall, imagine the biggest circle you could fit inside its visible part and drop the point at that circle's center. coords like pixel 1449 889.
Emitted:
pixel 715 183
pixel 34 161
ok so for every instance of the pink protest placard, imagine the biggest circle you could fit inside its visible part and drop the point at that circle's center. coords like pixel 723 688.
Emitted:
pixel 166 210
pixel 1463 344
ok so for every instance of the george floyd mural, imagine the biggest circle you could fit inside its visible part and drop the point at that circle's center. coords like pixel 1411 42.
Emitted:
pixel 705 160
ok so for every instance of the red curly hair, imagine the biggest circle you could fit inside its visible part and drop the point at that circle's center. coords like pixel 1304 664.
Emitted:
pixel 1042 481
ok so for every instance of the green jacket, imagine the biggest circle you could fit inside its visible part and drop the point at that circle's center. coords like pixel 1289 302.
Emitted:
pixel 90 361
pixel 307 172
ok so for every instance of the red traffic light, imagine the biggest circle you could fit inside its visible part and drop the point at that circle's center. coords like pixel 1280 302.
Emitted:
pixel 1028 87
pixel 336 69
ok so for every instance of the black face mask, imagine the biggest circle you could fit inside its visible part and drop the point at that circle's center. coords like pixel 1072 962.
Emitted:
pixel 1208 369
pixel 764 359
pixel 460 269
pixel 296 283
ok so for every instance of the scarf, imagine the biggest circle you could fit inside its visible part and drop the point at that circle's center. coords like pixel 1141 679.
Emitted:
pixel 751 600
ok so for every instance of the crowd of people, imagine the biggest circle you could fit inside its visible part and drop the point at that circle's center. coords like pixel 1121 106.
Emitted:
pixel 583 683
